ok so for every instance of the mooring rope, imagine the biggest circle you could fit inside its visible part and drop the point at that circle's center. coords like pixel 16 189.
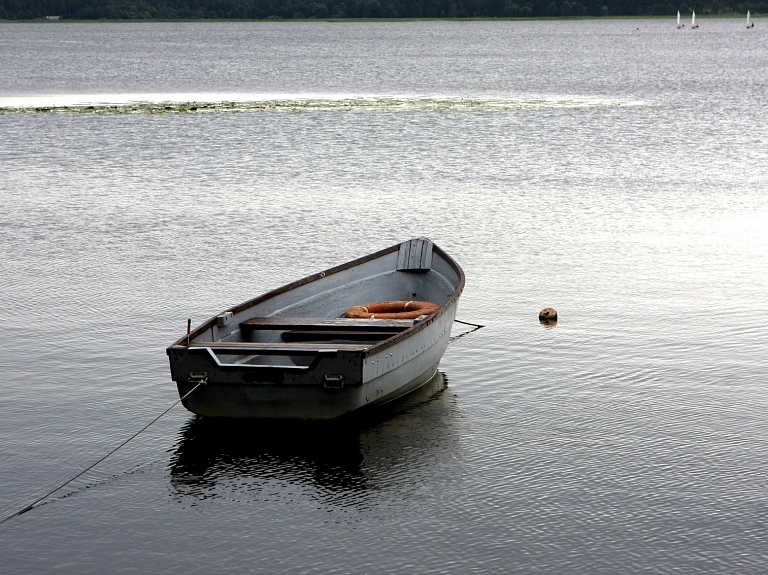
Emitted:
pixel 31 506
pixel 475 327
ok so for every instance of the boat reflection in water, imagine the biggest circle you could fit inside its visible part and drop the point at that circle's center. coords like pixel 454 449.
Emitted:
pixel 337 462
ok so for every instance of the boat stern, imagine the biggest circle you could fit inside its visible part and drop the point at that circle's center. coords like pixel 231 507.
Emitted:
pixel 328 385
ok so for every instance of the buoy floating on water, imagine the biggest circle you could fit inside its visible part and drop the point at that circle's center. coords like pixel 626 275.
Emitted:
pixel 548 314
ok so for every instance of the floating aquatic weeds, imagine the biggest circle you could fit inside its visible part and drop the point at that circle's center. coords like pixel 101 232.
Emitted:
pixel 171 104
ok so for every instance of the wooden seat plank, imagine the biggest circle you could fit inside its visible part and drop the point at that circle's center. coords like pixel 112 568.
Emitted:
pixel 317 335
pixel 326 324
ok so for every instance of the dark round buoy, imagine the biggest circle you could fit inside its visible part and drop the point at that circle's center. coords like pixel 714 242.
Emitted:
pixel 548 314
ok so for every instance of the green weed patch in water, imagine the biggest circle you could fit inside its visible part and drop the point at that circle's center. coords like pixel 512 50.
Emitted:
pixel 388 104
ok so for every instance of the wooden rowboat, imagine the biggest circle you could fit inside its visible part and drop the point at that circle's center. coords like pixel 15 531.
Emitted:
pixel 289 354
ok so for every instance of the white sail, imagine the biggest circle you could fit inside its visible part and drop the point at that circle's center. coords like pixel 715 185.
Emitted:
pixel 693 19
pixel 678 18
pixel 747 17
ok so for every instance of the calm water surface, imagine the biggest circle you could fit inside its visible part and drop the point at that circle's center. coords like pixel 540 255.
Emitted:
pixel 618 175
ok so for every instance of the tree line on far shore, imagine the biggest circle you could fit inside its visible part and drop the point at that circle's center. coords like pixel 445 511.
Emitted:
pixel 320 9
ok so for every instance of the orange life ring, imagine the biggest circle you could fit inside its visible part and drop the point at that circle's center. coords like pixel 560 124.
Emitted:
pixel 392 310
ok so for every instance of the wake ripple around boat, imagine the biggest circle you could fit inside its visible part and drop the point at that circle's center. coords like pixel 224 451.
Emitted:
pixel 201 103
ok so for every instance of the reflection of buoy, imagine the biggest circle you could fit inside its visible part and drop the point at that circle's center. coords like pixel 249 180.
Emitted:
pixel 548 314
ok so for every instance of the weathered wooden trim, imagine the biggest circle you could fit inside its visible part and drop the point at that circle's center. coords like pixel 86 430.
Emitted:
pixel 415 255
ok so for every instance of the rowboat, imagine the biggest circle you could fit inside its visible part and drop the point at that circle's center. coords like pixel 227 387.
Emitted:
pixel 288 354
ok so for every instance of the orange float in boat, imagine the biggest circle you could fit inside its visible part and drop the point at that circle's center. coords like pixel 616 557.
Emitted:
pixel 392 310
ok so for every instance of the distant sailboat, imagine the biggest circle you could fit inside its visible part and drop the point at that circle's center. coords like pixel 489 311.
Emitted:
pixel 679 25
pixel 694 26
pixel 750 24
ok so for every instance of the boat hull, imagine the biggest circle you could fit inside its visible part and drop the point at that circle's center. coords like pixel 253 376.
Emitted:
pixel 281 402
pixel 246 362
pixel 371 381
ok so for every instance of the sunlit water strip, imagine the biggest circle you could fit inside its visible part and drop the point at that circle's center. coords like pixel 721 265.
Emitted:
pixel 219 102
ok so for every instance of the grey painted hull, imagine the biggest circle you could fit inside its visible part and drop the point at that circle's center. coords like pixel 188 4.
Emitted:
pixel 253 373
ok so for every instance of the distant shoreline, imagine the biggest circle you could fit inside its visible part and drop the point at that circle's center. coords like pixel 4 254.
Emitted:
pixel 732 16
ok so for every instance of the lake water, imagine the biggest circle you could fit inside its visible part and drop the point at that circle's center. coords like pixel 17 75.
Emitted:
pixel 616 174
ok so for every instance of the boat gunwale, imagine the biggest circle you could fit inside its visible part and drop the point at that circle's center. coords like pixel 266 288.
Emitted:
pixel 384 344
